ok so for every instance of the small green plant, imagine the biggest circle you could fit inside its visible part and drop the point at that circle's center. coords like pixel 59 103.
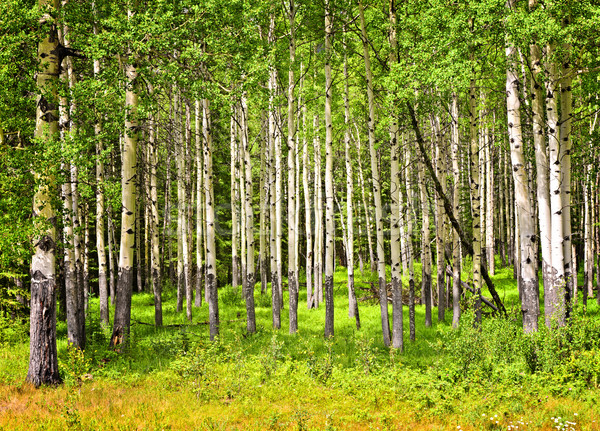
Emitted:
pixel 365 355
pixel 75 367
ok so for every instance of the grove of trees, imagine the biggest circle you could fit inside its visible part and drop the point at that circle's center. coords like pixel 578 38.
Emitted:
pixel 197 144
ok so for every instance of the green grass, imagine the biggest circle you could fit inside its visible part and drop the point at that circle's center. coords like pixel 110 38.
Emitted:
pixel 174 377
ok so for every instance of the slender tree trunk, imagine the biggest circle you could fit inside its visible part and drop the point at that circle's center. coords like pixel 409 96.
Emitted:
pixel 456 261
pixel 554 299
pixel 566 98
pixel 329 222
pixel 475 196
pixel 425 247
pixel 122 318
pixel 249 212
pixel 199 206
pixel 489 203
pixel 409 236
pixel 318 254
pixel 525 212
pixel 235 199
pixel 542 167
pixel 395 191
pixel 211 256
pixel 264 208
pixel 111 256
pixel 440 221
pixel 352 302
pixel 186 223
pixel 376 185
pixel 273 193
pixel 291 165
pixel 154 218
pixel 43 361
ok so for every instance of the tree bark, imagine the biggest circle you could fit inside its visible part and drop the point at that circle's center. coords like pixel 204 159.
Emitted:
pixel 124 289
pixel 376 184
pixel 43 360
pixel 525 212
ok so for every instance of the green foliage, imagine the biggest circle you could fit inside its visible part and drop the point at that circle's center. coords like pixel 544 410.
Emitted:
pixel 74 365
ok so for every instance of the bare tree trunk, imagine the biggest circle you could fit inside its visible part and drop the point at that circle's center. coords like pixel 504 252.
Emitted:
pixel 263 208
pixel 329 222
pixel 43 360
pixel 352 302
pixel 154 219
pixel 542 167
pixel 291 165
pixel 475 197
pixel 235 202
pixel 199 207
pixel 249 212
pixel 318 254
pixel 456 261
pixel 409 250
pixel 425 247
pixel 122 318
pixel 211 256
pixel 566 98
pixel 525 212
pixel 489 203
pixel 440 221
pixel 554 299
pixel 273 193
pixel 376 185
pixel 186 222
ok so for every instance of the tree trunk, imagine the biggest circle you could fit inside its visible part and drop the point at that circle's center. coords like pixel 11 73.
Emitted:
pixel 154 231
pixel 376 184
pixel 211 255
pixel 525 212
pixel 456 261
pixel 249 212
pixel 318 255
pixel 352 302
pixel 554 298
pixel 199 207
pixel 542 167
pixel 291 165
pixel 425 248
pixel 122 318
pixel 43 361
pixel 329 222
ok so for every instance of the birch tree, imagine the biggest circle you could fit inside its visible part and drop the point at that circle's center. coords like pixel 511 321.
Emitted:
pixel 43 360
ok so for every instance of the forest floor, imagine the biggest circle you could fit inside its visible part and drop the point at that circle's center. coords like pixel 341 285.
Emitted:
pixel 173 378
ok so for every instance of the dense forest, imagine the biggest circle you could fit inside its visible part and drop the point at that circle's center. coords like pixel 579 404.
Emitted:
pixel 403 153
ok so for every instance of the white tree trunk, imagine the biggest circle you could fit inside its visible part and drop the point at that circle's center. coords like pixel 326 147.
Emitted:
pixel 376 184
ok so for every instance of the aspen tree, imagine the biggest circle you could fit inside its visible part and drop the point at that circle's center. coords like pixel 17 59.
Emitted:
pixel 397 335
pixel 376 184
pixel 525 214
pixel 541 162
pixel 489 203
pixel 425 247
pixel 186 225
pixel 43 361
pixel 249 213
pixel 263 208
pixel 199 205
pixel 154 219
pixel 275 239
pixel 318 198
pixel 291 165
pixel 566 102
pixel 456 245
pixel 475 196
pixel 211 256
pixel 124 289
pixel 307 219
pixel 352 302
pixel 235 199
pixel 409 250
pixel 329 226
pixel 554 298
pixel 440 219
pixel 365 207
pixel 100 204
